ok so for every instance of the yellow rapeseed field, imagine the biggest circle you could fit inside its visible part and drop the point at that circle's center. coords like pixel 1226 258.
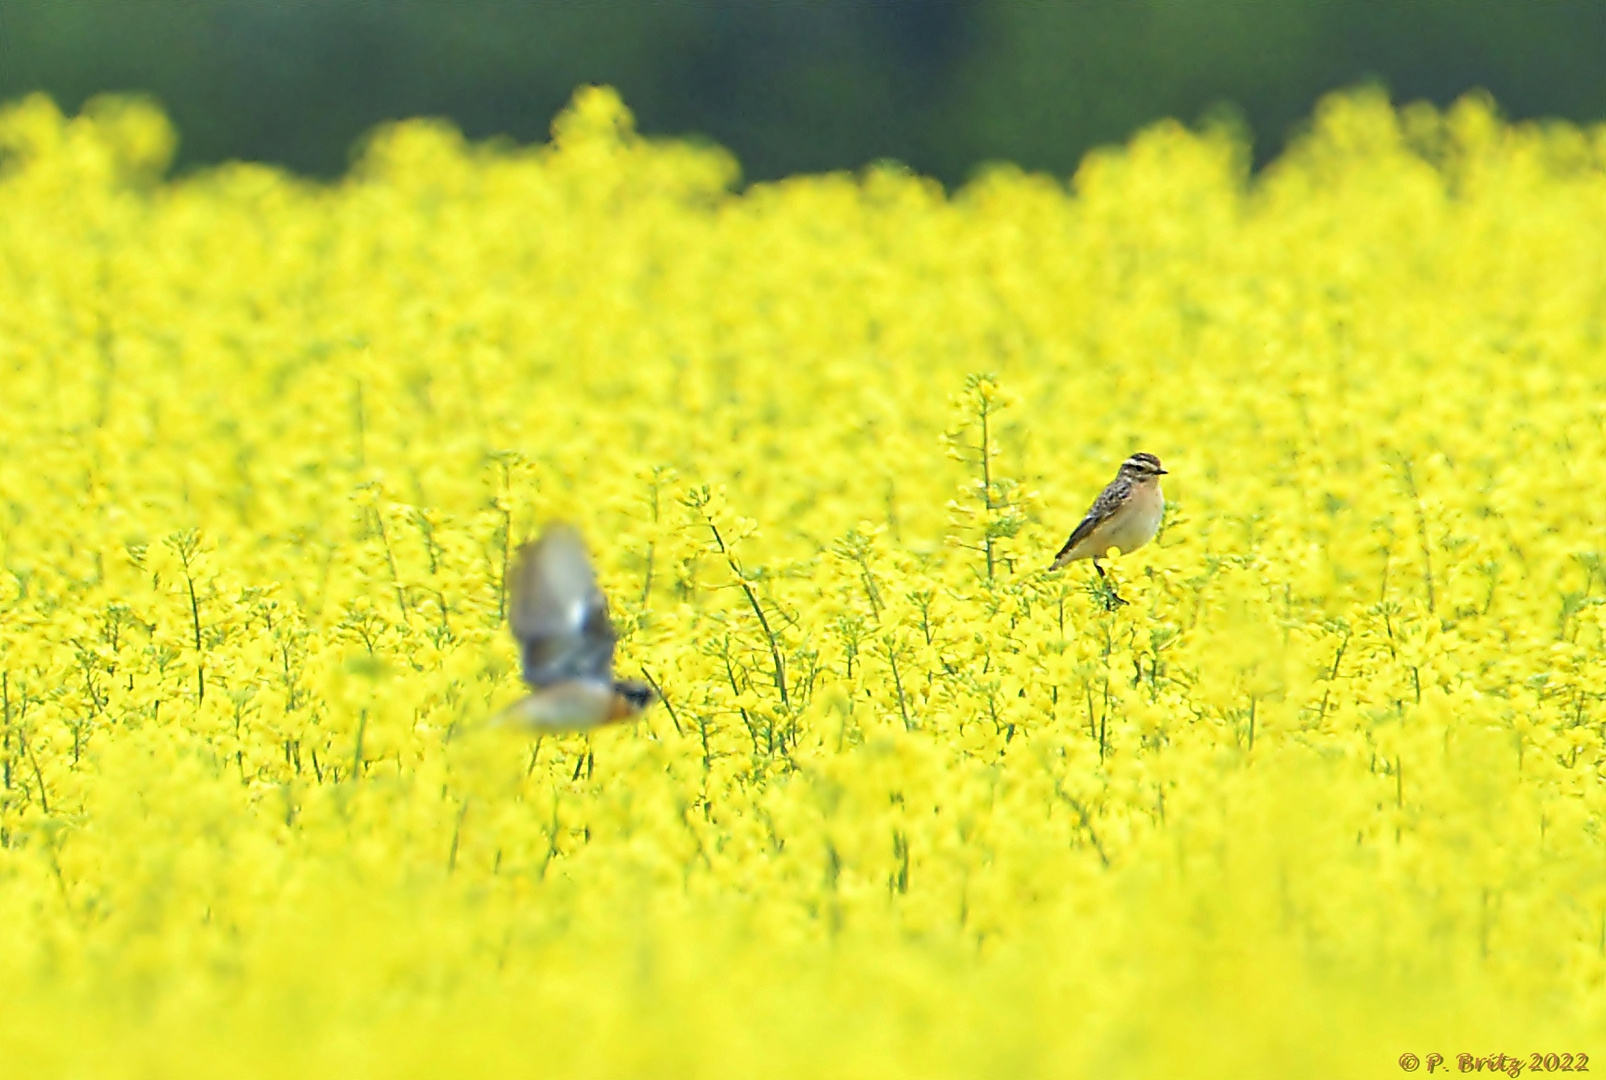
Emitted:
pixel 1326 793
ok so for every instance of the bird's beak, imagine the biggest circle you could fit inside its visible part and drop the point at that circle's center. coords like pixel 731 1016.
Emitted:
pixel 1160 472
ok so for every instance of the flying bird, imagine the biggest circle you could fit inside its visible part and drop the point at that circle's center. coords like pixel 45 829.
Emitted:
pixel 560 619
pixel 1125 516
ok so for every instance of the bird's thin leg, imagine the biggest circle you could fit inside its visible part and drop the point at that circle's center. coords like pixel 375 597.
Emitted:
pixel 1112 599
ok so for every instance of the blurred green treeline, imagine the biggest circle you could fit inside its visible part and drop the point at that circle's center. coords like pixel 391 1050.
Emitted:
pixel 792 85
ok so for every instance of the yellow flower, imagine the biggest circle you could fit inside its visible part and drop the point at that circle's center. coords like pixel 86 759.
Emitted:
pixel 911 805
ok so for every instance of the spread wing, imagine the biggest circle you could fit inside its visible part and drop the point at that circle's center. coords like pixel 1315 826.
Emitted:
pixel 1109 500
pixel 558 614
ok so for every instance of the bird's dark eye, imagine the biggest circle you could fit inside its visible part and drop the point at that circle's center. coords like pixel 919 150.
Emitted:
pixel 637 693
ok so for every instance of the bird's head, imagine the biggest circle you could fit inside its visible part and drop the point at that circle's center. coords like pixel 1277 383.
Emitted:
pixel 1142 466
pixel 632 696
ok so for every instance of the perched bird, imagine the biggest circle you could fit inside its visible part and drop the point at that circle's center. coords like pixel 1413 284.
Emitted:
pixel 1125 516
pixel 560 620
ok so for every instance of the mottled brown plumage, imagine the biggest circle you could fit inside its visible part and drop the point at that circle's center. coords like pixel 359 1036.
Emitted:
pixel 1125 516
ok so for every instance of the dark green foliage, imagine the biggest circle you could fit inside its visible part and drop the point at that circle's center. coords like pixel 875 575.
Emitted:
pixel 791 85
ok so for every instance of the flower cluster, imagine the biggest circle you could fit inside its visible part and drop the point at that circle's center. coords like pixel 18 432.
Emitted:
pixel 1327 789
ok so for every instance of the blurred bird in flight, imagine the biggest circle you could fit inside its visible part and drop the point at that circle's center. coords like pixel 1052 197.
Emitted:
pixel 1125 516
pixel 560 619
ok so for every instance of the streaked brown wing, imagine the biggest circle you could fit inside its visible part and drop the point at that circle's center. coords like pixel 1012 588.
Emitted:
pixel 1078 534
pixel 1107 503
pixel 557 613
